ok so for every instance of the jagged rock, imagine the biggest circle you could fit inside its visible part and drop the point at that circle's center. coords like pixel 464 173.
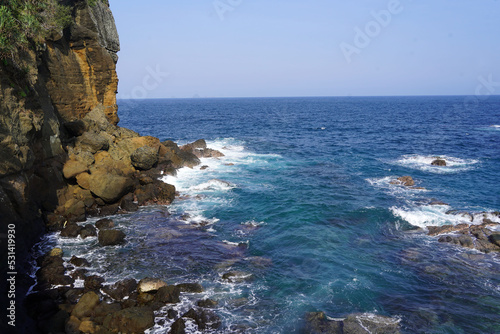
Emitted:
pixel 104 223
pixel 406 181
pixel 71 230
pixel 435 230
pixel 130 320
pixel 79 261
pixel 205 319
pixel 150 284
pixel 121 289
pixel 88 231
pixel 109 187
pixel 93 283
pixel 178 327
pixel 144 158
pixel 52 272
pixel 93 142
pixel 109 237
pixel 127 203
pixel 86 305
pixel 168 294
pixel 439 162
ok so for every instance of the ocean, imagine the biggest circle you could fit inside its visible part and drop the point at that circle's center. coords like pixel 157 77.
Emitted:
pixel 302 208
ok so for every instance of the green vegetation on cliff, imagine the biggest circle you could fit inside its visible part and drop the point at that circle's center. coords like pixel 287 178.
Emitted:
pixel 26 21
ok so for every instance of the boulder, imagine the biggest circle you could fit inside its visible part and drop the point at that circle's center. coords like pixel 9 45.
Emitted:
pixel 109 187
pixel 71 230
pixel 83 180
pixel 110 237
pixel 56 252
pixel 144 158
pixel 178 327
pixel 127 203
pixel 130 320
pixel 205 319
pixel 52 272
pixel 93 283
pixel 93 141
pixel 121 289
pixel 150 285
pixel 72 168
pixel 168 294
pixel 88 231
pixel 86 305
pixel 439 162
pixel 104 223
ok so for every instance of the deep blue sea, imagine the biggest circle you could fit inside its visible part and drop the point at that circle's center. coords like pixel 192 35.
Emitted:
pixel 303 206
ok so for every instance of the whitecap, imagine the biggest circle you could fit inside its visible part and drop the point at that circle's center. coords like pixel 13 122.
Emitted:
pixel 439 215
pixel 423 163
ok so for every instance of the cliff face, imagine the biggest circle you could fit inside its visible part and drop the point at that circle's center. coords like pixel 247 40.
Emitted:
pixel 40 92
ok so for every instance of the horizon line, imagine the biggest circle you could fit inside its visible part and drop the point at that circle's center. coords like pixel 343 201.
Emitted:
pixel 297 96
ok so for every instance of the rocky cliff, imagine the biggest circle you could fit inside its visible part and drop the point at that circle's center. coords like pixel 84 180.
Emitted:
pixel 62 156
pixel 40 92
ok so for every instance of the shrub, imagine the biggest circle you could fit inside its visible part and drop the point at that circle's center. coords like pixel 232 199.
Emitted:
pixel 26 21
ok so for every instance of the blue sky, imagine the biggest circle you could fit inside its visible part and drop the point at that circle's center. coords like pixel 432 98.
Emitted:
pixel 247 48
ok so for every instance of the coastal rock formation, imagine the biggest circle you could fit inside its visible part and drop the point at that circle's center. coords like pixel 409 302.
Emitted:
pixel 406 181
pixel 319 323
pixel 481 237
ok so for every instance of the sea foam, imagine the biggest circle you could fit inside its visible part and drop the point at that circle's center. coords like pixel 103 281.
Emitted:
pixel 423 163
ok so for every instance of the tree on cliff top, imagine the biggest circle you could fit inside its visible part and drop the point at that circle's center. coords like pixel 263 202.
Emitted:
pixel 26 21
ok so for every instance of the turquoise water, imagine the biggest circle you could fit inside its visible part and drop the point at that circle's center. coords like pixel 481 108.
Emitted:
pixel 303 202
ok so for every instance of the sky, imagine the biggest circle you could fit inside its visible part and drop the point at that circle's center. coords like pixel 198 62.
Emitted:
pixel 279 48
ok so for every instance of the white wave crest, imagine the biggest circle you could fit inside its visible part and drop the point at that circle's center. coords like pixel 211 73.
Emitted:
pixel 424 163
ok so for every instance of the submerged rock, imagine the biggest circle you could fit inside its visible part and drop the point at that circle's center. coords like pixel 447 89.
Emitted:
pixel 319 323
